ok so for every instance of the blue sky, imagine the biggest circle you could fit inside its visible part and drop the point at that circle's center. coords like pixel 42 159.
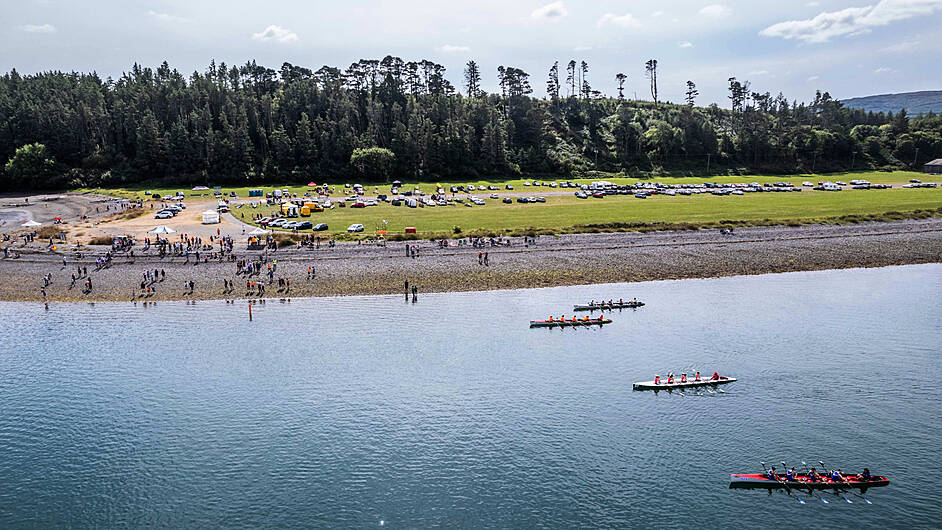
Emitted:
pixel 850 48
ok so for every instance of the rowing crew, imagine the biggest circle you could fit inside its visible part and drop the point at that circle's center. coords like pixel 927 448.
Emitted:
pixel 813 476
pixel 574 319
pixel 611 303
pixel 683 378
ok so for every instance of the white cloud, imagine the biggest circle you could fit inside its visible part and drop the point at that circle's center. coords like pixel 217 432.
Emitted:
pixel 813 4
pixel 657 13
pixel 582 48
pixel 166 17
pixel 813 78
pixel 716 11
pixel 757 73
pixel 626 21
pixel 904 46
pixel 851 21
pixel 685 44
pixel 883 70
pixel 44 28
pixel 451 48
pixel 275 33
pixel 552 11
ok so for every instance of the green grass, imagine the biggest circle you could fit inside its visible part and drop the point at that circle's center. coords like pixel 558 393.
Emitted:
pixel 876 177
pixel 568 214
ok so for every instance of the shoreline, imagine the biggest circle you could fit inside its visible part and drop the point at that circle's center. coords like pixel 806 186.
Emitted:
pixel 579 259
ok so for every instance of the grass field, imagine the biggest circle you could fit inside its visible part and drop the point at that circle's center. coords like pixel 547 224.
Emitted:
pixel 876 177
pixel 566 213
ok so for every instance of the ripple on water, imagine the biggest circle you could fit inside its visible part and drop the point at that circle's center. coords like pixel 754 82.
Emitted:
pixel 348 411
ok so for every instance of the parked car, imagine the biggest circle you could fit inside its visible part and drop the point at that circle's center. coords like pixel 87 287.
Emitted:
pixel 541 199
pixel 508 200
pixel 291 225
pixel 163 214
pixel 508 187
pixel 278 223
pixel 319 227
pixel 355 228
pixel 304 225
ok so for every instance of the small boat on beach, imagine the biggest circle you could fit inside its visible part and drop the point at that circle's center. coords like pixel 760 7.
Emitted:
pixel 604 306
pixel 583 322
pixel 660 385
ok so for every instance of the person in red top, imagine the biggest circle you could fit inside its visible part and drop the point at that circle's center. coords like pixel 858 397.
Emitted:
pixel 657 379
pixel 715 377
pixel 696 376
pixel 683 378
pixel 670 378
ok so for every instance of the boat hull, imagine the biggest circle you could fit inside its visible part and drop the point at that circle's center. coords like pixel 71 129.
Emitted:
pixel 759 481
pixel 607 307
pixel 649 385
pixel 569 323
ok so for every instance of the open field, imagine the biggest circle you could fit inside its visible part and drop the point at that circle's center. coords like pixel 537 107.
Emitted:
pixel 566 213
pixel 876 177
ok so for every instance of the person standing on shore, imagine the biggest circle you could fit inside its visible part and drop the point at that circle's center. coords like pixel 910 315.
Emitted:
pixel 485 260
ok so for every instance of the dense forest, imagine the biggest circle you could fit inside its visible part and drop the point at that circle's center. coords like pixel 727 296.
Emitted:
pixel 384 119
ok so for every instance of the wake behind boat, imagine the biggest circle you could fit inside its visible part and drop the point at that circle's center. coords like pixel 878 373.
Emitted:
pixel 574 322
pixel 608 306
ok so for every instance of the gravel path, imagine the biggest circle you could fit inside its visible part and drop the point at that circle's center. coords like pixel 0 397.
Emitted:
pixel 351 269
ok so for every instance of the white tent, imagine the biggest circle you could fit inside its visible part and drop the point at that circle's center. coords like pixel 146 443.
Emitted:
pixel 30 224
pixel 259 232
pixel 210 217
pixel 162 230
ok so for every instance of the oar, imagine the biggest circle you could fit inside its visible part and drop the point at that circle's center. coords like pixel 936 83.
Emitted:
pixel 788 490
pixel 831 472
pixel 810 489
pixel 785 467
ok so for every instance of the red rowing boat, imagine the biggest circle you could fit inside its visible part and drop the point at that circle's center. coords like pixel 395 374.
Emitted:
pixel 801 482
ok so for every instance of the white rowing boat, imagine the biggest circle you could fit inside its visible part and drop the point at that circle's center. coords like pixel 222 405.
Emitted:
pixel 651 385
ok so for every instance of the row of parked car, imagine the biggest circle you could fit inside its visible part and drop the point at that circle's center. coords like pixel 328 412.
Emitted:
pixel 280 222
pixel 169 212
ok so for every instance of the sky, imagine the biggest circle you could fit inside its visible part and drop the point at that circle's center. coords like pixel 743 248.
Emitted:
pixel 849 48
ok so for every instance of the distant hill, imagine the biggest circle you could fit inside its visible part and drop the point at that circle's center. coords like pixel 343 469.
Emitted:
pixel 913 102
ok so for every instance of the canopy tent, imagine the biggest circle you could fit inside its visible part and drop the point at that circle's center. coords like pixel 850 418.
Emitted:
pixel 210 217
pixel 311 184
pixel 200 188
pixel 259 232
pixel 30 224
pixel 162 229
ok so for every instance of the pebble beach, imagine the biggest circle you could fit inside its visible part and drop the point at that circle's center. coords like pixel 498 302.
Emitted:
pixel 351 269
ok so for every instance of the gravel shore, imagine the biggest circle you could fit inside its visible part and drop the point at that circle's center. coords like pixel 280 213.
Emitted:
pixel 351 269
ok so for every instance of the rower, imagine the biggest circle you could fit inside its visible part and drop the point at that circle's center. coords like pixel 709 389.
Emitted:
pixel 683 377
pixel 772 475
pixel 716 376
pixel 696 376
pixel 835 476
pixel 670 378
pixel 790 474
pixel 657 379
pixel 621 302
pixel 550 319
pixel 865 476
pixel 813 475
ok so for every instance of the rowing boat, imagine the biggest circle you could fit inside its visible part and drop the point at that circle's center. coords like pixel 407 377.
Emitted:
pixel 603 307
pixel 651 385
pixel 801 482
pixel 569 323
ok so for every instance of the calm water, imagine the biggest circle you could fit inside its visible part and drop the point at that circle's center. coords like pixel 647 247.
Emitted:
pixel 358 412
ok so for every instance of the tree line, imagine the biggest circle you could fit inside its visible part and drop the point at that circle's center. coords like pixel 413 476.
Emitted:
pixel 390 118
